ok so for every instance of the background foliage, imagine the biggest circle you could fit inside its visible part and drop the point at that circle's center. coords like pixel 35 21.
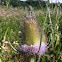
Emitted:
pixel 10 31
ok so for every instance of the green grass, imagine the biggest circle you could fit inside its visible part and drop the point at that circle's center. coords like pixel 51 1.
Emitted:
pixel 50 22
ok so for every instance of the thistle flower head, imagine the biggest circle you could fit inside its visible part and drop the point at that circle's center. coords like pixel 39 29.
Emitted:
pixel 32 31
pixel 31 35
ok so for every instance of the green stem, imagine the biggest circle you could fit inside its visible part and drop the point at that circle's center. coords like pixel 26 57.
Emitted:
pixel 13 47
pixel 43 26
pixel 6 34
pixel 5 37
pixel 32 59
pixel 39 58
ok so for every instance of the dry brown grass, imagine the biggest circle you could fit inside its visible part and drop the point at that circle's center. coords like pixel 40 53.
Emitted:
pixel 10 12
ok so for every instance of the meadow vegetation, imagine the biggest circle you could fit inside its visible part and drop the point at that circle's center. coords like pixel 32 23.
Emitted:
pixel 10 31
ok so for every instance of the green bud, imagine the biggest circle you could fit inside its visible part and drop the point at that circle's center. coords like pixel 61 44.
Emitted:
pixel 32 31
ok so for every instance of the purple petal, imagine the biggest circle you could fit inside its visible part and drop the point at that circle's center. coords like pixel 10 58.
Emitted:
pixel 33 49
pixel 43 48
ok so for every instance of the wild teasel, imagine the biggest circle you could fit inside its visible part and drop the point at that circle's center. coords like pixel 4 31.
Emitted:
pixel 31 37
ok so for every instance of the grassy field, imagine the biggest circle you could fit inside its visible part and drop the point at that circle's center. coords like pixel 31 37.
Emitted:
pixel 10 31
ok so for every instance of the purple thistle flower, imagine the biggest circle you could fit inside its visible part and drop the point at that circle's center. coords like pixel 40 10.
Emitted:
pixel 33 49
pixel 31 35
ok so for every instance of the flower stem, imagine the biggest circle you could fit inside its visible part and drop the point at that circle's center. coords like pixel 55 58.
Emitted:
pixel 33 59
